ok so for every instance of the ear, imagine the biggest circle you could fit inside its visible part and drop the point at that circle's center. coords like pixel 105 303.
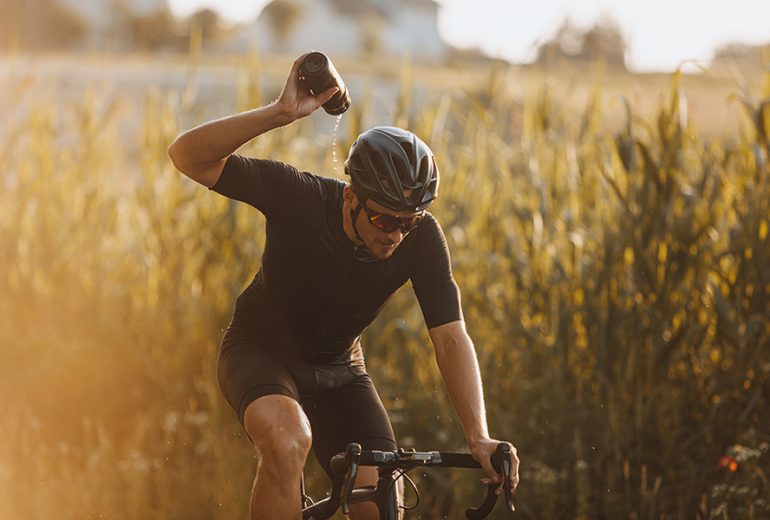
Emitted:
pixel 350 196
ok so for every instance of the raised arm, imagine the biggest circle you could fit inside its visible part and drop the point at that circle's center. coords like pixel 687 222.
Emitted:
pixel 201 153
pixel 456 359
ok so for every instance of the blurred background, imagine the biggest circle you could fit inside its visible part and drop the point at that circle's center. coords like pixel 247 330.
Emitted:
pixel 605 197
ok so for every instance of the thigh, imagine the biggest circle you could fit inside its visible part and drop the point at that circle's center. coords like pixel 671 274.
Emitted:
pixel 247 371
pixel 351 413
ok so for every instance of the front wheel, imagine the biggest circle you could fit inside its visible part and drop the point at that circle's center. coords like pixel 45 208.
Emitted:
pixel 390 505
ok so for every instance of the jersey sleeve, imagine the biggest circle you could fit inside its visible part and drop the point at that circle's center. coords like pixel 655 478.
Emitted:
pixel 270 186
pixel 432 279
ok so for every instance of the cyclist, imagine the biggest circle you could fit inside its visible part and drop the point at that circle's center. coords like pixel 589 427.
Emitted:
pixel 290 363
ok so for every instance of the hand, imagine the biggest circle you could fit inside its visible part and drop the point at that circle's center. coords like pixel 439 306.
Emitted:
pixel 482 451
pixel 295 101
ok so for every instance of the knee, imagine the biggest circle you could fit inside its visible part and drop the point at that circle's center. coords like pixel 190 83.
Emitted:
pixel 280 435
pixel 283 441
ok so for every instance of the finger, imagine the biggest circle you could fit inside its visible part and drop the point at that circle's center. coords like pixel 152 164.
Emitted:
pixel 295 65
pixel 293 78
pixel 515 463
pixel 326 95
pixel 488 482
pixel 484 457
pixel 492 476
pixel 486 465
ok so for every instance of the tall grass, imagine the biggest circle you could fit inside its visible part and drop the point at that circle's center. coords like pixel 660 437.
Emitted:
pixel 616 284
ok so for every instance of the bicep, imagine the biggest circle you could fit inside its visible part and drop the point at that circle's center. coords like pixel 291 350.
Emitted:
pixel 433 281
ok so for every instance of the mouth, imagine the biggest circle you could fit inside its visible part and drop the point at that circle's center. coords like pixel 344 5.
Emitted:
pixel 388 248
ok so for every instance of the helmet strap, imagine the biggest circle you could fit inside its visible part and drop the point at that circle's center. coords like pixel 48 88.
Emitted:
pixel 353 217
pixel 362 252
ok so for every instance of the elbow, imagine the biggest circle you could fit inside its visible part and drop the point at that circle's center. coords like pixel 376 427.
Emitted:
pixel 174 155
pixel 187 159
pixel 180 158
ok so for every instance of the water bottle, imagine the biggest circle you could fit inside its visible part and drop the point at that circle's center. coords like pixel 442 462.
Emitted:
pixel 316 74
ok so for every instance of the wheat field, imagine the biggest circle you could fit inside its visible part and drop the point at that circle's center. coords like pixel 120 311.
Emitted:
pixel 610 238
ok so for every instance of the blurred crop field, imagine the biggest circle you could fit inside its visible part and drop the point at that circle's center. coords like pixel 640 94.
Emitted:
pixel 609 234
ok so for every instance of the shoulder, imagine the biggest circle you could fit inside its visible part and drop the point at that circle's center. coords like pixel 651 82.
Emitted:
pixel 426 244
pixel 329 187
pixel 243 168
pixel 430 270
pixel 429 232
pixel 268 184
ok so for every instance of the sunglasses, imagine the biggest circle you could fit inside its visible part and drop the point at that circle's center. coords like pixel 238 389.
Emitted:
pixel 390 223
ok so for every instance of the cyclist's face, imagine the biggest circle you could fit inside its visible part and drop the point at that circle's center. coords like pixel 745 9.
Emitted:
pixel 380 244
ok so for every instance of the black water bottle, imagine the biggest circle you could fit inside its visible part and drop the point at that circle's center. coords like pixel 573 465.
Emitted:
pixel 316 74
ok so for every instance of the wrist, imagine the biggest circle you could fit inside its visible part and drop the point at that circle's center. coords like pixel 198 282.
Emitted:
pixel 477 437
pixel 280 114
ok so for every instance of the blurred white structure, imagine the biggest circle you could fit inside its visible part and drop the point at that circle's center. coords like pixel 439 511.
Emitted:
pixel 105 19
pixel 346 27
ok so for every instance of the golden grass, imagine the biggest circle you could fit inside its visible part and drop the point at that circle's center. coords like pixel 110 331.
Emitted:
pixel 614 269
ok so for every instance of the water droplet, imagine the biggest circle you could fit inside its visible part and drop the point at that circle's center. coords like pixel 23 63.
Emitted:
pixel 334 142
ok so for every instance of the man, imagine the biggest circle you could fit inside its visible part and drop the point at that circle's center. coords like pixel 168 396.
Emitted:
pixel 290 362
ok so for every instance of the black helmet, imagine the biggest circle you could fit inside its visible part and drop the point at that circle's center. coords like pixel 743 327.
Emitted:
pixel 385 161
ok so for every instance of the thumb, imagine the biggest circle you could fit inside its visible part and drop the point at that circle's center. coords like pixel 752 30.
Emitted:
pixel 327 94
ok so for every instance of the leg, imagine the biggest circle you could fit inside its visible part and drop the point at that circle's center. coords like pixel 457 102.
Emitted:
pixel 351 413
pixel 258 384
pixel 367 476
pixel 366 511
pixel 281 435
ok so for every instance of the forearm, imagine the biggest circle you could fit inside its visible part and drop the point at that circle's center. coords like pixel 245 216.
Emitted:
pixel 202 148
pixel 201 153
pixel 456 358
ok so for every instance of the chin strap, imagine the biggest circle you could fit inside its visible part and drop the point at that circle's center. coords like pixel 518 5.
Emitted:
pixel 362 252
pixel 353 218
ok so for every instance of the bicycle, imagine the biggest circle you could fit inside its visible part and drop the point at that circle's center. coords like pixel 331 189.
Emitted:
pixel 392 465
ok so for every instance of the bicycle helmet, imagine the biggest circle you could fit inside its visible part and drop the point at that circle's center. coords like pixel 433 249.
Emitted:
pixel 385 161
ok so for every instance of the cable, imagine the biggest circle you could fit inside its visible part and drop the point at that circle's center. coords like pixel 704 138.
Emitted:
pixel 402 474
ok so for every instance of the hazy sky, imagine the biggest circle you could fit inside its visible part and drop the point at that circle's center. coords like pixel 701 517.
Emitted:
pixel 660 33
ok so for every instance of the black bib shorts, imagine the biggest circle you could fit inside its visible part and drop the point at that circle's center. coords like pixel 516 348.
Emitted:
pixel 339 398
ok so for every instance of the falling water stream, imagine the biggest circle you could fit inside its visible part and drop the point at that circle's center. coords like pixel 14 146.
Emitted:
pixel 334 142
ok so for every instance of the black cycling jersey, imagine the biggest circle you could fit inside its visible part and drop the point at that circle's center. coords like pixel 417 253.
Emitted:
pixel 314 293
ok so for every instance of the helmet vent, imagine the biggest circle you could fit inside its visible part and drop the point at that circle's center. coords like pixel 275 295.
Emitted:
pixel 394 168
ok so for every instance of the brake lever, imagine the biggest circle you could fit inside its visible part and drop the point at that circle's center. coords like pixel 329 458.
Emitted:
pixel 352 456
pixel 504 460
pixel 501 460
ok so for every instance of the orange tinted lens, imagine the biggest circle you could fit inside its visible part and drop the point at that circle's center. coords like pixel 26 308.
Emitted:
pixel 390 223
pixel 387 223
